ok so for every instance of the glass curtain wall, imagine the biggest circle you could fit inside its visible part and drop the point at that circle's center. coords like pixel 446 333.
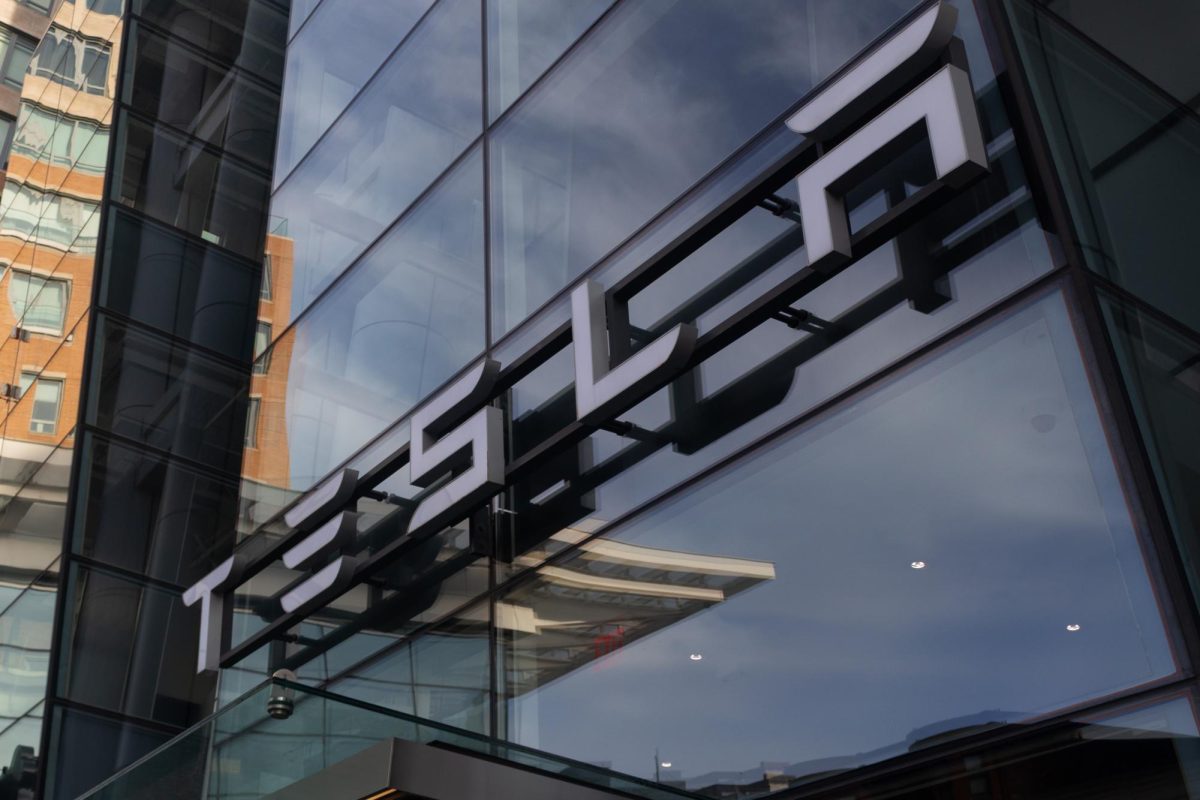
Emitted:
pixel 905 526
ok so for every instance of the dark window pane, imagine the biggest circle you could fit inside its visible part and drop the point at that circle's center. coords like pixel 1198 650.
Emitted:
pixel 190 187
pixel 198 293
pixel 249 34
pixel 330 61
pixel 1161 367
pixel 173 83
pixel 161 393
pixel 806 589
pixel 1129 154
pixel 88 748
pixel 150 515
pixel 419 113
pixel 131 648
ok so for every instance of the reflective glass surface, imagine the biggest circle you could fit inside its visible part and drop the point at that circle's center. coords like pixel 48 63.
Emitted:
pixel 111 626
pixel 596 151
pixel 417 115
pixel 527 36
pixel 951 552
pixel 183 183
pixel 1161 367
pixel 404 318
pixel 189 90
pixel 1128 153
pixel 159 277
pixel 167 396
pixel 329 62
pixel 151 516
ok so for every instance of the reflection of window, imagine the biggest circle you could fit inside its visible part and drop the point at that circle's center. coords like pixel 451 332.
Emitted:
pixel 252 412
pixel 15 51
pixel 40 303
pixel 262 338
pixel 47 398
pixel 65 140
pixel 41 5
pixel 95 68
pixel 56 57
pixel 265 289
pixel 77 64
pixel 50 218
pixel 105 6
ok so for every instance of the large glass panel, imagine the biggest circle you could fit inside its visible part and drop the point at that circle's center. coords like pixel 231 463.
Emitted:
pixel 1129 154
pixel 165 395
pixel 330 61
pixel 151 515
pixel 406 317
pixel 87 748
pixel 525 37
pixel 180 286
pixel 790 615
pixel 1161 368
pixel 249 34
pixel 599 149
pixel 1158 45
pixel 184 184
pixel 415 117
pixel 228 108
pixel 130 648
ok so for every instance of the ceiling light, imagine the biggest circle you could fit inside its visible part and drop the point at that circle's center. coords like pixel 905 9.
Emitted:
pixel 666 765
pixel 917 565
pixel 1073 627
pixel 696 657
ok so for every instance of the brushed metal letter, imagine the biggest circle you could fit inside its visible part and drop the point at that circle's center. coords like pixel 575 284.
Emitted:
pixel 476 445
pixel 600 391
pixel 211 592
pixel 945 103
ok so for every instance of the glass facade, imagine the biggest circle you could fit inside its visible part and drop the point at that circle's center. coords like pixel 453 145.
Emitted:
pixel 913 515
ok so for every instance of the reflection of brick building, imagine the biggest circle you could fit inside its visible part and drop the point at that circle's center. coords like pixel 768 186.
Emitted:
pixel 48 230
pixel 265 463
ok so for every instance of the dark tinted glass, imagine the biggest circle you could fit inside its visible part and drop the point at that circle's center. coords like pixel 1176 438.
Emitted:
pixel 131 648
pixel 181 286
pixel 1129 153
pixel 173 83
pixel 162 394
pixel 184 184
pixel 952 552
pixel 150 515
pixel 88 748
pixel 1161 367
pixel 248 33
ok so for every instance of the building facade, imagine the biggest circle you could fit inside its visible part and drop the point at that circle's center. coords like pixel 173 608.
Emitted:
pixel 658 399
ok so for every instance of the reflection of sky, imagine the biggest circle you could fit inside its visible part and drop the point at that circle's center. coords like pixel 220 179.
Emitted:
pixel 990 465
pixel 657 99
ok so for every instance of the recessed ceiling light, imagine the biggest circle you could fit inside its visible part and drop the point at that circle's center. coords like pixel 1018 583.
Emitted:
pixel 696 657
pixel 1073 627
pixel 666 765
pixel 917 565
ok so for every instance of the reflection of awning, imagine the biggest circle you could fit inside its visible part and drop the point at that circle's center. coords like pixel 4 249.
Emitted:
pixel 608 594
